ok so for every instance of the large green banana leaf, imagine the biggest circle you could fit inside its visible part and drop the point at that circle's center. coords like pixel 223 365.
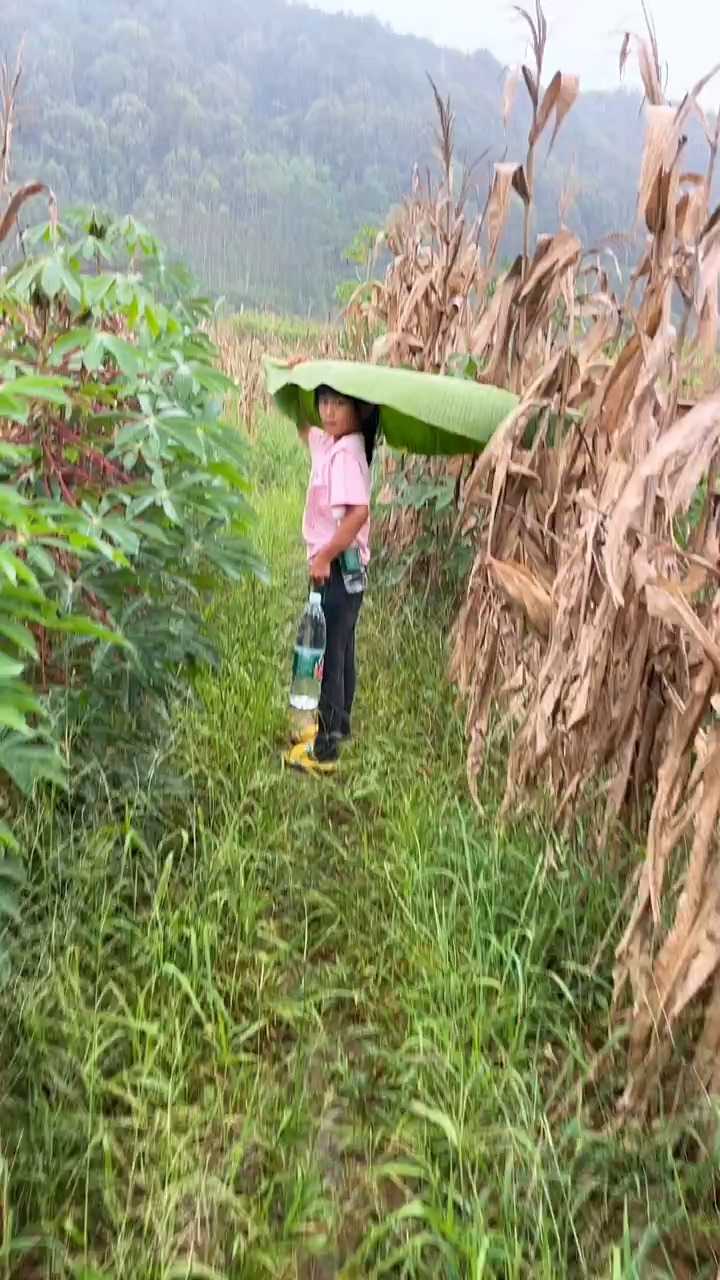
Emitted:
pixel 419 412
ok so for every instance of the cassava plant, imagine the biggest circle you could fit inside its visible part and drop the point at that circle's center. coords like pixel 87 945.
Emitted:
pixel 123 499
pixel 116 412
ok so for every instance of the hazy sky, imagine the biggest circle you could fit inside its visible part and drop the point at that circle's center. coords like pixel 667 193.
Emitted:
pixel 584 35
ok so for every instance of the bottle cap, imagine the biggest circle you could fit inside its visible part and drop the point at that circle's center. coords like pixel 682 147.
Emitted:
pixel 315 597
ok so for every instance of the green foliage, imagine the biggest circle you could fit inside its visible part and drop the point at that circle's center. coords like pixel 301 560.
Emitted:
pixel 257 138
pixel 360 255
pixel 123 504
pixel 432 501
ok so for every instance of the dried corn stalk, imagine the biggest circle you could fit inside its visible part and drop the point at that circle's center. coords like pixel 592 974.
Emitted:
pixel 620 677
pixel 592 612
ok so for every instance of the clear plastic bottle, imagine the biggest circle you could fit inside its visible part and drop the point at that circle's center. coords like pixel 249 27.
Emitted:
pixel 307 671
pixel 352 571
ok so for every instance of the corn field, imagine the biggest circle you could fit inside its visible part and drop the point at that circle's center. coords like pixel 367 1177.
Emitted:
pixel 591 621
pixel 242 341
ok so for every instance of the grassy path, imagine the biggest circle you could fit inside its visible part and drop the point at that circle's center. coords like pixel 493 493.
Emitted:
pixel 321 1028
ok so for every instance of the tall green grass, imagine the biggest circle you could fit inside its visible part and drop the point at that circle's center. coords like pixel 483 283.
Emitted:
pixel 315 1029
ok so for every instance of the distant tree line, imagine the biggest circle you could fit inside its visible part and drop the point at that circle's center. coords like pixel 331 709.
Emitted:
pixel 257 138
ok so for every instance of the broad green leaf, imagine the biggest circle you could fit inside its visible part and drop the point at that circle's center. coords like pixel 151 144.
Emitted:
pixel 10 718
pixel 71 283
pixel 184 381
pixel 42 560
pixel 96 289
pixel 133 312
pixel 50 390
pixel 51 278
pixel 66 343
pixel 125 355
pixel 15 454
pixel 423 413
pixel 152 319
pixel 28 761
pixel 13 407
pixel 10 668
pixel 80 626
pixel 19 636
pixel 170 510
pixel 94 354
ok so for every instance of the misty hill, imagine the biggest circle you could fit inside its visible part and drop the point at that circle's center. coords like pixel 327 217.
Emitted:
pixel 257 137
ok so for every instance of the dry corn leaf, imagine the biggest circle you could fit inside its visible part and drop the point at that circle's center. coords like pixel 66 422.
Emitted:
pixel 558 98
pixel 624 53
pixel 678 459
pixel 649 63
pixel 18 200
pixel 553 256
pixel 531 85
pixel 498 204
pixel 691 210
pixel 520 184
pixel 660 143
pixel 524 590
pixel 708 267
pixel 700 956
pixel 666 601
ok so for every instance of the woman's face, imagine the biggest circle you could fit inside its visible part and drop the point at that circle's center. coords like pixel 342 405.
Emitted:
pixel 337 414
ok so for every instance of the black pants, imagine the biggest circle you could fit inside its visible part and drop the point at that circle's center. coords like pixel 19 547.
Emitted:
pixel 338 685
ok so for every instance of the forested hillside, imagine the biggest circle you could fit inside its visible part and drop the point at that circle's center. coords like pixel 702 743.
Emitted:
pixel 256 138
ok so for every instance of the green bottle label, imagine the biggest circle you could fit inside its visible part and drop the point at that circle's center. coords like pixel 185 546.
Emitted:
pixel 308 664
pixel 350 560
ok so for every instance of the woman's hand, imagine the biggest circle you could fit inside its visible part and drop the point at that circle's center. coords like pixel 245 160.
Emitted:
pixel 295 360
pixel 320 567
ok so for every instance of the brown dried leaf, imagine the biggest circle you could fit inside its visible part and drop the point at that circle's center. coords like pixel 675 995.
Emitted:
pixel 498 204
pixel 708 271
pixel 25 193
pixel 691 210
pixel 679 459
pixel 520 185
pixel 667 602
pixel 552 257
pixel 559 97
pixel 624 52
pixel 526 591
pixel 538 30
pixel 649 64
pixel 531 85
pixel 660 143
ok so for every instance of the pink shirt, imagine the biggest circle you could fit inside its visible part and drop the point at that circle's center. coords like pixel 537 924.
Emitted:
pixel 339 478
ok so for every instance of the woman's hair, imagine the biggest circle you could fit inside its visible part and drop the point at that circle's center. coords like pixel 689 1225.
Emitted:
pixel 368 416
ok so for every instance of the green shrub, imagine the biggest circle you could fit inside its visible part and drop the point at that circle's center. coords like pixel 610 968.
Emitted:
pixel 123 504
